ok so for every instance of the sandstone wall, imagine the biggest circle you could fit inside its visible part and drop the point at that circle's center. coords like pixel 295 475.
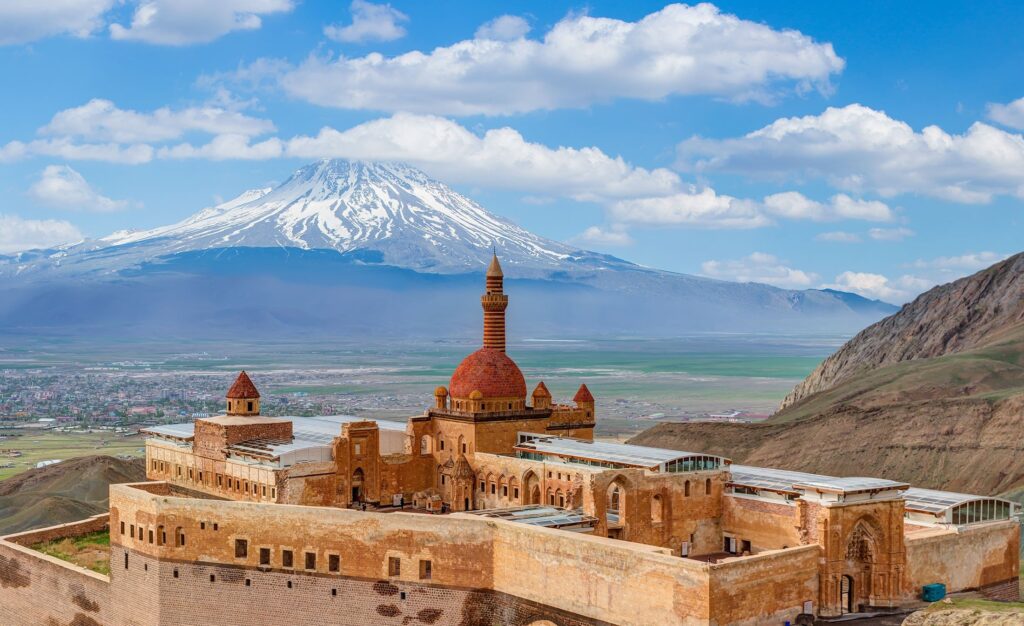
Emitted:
pixel 36 589
pixel 767 588
pixel 969 558
pixel 766 525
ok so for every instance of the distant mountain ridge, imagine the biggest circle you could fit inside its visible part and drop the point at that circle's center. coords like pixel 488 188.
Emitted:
pixel 339 238
pixel 932 395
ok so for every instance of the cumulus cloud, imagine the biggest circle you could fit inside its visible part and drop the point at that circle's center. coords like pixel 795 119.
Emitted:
pixel 838 236
pixel 795 205
pixel 699 208
pixel 64 188
pixel 615 235
pixel 22 21
pixel 860 149
pixel 890 234
pixel 17 234
pixel 759 268
pixel 581 60
pixel 102 120
pixel 500 158
pixel 370 22
pixel 503 28
pixel 874 286
pixel 179 23
pixel 226 147
pixel 1011 114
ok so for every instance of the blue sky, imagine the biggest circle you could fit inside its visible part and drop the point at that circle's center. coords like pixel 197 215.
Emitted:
pixel 875 147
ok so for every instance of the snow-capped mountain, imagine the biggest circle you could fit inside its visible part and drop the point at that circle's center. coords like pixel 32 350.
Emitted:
pixel 383 235
pixel 410 219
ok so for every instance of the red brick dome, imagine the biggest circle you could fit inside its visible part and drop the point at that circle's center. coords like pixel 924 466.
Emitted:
pixel 490 372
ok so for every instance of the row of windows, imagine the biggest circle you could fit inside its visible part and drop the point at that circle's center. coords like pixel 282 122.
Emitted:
pixel 981 511
pixel 235 485
pixel 694 464
pixel 425 445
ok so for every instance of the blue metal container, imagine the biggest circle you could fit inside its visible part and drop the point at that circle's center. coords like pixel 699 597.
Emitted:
pixel 933 592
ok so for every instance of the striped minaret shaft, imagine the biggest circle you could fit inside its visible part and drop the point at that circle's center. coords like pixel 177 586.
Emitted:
pixel 494 302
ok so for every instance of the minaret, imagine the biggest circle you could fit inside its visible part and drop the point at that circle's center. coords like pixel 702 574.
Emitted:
pixel 494 302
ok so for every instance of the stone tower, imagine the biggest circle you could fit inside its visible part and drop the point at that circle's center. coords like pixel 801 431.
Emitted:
pixel 494 302
pixel 243 398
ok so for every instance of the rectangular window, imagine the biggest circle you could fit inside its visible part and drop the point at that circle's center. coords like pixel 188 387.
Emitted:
pixel 200 477
pixel 154 465
pixel 191 476
pixel 442 444
pixel 483 486
pixel 515 493
pixel 394 566
pixel 241 548
pixel 264 556
pixel 493 488
pixel 150 536
pixel 133 531
pixel 311 560
pixel 333 563
pixel 122 528
pixel 273 493
pixel 220 480
pixel 264 491
pixel 504 490
pixel 286 558
pixel 249 405
pixel 425 572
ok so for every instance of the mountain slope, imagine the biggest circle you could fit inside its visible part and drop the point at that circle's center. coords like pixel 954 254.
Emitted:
pixel 971 312
pixel 63 492
pixel 933 395
pixel 340 238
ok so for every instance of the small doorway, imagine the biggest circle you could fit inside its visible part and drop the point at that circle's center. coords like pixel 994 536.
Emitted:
pixel 357 485
pixel 846 594
pixel 466 505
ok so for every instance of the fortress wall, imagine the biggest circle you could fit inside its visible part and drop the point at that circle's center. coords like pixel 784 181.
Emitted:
pixel 969 558
pixel 37 589
pixel 767 588
pixel 624 583
pixel 766 525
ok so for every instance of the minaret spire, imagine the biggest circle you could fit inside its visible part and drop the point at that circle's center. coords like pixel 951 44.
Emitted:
pixel 494 302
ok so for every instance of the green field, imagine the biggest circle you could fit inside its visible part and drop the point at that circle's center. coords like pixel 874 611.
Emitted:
pixel 37 446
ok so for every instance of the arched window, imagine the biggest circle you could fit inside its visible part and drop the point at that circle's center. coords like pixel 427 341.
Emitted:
pixel 686 489
pixel 656 509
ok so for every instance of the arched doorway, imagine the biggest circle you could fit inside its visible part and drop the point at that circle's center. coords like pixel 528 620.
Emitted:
pixel 846 594
pixel 615 510
pixel 357 485
pixel 531 486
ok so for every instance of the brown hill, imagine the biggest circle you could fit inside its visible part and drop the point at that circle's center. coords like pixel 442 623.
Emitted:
pixel 933 395
pixel 63 492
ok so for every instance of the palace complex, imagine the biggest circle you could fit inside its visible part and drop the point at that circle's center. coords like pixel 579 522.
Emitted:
pixel 494 506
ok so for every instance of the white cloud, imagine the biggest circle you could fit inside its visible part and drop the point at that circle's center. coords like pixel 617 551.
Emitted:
pixel 890 234
pixel 838 236
pixel 503 28
pixel 700 208
pixel 874 286
pixel 183 22
pixel 1011 114
pixel 102 120
pixel 500 158
pixel 971 262
pixel 17 234
pixel 795 205
pixel 22 21
pixel 582 60
pixel 759 268
pixel 226 147
pixel 370 22
pixel 616 235
pixel 859 149
pixel 66 149
pixel 64 188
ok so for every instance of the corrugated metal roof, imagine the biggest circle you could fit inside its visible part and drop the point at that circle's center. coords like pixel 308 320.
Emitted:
pixel 177 431
pixel 932 501
pixel 617 453
pixel 789 481
pixel 541 515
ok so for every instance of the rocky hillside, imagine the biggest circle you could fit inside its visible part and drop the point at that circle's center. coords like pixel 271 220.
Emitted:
pixel 63 492
pixel 969 313
pixel 933 395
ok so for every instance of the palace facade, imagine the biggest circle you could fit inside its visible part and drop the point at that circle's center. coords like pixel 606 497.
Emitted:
pixel 496 506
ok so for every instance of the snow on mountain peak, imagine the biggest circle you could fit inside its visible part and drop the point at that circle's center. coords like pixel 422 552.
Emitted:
pixel 412 220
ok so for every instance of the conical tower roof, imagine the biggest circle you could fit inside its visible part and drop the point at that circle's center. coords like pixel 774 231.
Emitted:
pixel 243 388
pixel 494 269
pixel 583 395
